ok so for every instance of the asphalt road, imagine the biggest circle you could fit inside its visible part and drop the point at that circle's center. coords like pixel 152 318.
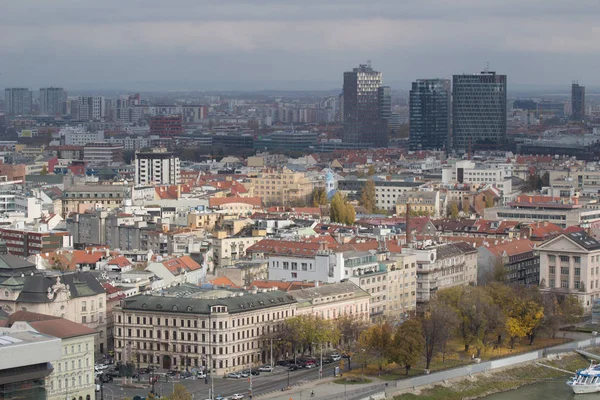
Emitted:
pixel 264 383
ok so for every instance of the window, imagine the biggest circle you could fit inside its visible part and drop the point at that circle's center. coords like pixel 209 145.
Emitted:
pixel 564 284
pixel 551 284
pixel 577 260
pixel 564 259
pixel 564 270
pixel 552 269
pixel 83 306
pixel 577 271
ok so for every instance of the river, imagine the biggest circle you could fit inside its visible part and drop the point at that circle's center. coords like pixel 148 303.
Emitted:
pixel 549 390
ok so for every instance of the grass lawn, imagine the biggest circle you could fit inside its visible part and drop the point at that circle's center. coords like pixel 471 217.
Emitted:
pixel 352 380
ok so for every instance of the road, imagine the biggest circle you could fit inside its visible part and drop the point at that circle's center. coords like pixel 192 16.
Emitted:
pixel 264 383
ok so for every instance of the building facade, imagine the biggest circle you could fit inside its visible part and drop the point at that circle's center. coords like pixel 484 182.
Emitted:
pixel 17 101
pixel 166 125
pixel 52 101
pixel 361 108
pixel 478 110
pixel 281 187
pixel 570 264
pixel 73 374
pixel 429 108
pixel 223 334
pixel 90 108
pixel 161 168
pixel 577 102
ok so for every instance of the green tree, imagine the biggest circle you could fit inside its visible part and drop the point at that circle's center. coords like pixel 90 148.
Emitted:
pixel 367 196
pixel 319 197
pixel 179 393
pixel 341 211
pixel 408 344
pixel 489 201
pixel 44 170
pixel 371 170
pixel 453 209
pixel 376 342
pixel 438 324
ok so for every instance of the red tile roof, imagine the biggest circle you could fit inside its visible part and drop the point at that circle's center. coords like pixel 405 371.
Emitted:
pixel 223 281
pixel 51 325
pixel 120 261
pixel 302 248
pixel 219 201
pixel 511 248
pixel 178 265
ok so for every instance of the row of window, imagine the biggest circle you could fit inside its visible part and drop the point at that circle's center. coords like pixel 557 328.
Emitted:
pixel 220 324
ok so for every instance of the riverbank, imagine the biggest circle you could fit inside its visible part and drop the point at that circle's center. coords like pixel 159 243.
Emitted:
pixel 501 380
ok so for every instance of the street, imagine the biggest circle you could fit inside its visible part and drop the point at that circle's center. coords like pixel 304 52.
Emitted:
pixel 264 383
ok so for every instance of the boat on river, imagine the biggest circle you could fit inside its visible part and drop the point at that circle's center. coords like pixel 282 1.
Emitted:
pixel 586 380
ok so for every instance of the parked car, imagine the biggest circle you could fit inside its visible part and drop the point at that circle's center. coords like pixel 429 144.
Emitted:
pixel 309 366
pixel 254 372
pixel 244 374
pixel 265 368
pixel 201 375
pixel 105 378
pixel 236 396
pixel 186 375
pixel 97 388
pixel 283 363
pixel 335 357
pixel 293 367
pixel 235 375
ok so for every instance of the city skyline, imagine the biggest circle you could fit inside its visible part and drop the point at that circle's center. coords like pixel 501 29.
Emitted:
pixel 277 46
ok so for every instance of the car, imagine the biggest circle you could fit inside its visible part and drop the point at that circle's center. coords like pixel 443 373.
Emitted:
pixel 254 372
pixel 234 375
pixel 201 375
pixel 309 366
pixel 265 368
pixel 293 367
pixel 105 378
pixel 236 396
pixel 185 375
pixel 100 367
pixel 283 363
pixel 327 361
pixel 97 388
pixel 335 357
pixel 244 374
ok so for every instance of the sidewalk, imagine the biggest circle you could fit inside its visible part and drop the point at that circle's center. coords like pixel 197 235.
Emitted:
pixel 322 388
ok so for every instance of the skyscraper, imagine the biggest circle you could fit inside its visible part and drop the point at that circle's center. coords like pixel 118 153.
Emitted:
pixel 17 101
pixel 361 108
pixel 478 110
pixel 52 100
pixel 429 107
pixel 577 102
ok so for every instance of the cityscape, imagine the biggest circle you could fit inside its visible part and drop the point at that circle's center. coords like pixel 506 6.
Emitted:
pixel 323 226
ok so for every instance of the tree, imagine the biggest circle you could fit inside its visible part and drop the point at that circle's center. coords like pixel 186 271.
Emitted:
pixel 438 324
pixel 376 343
pixel 453 209
pixel 44 170
pixel 371 170
pixel 466 208
pixel 319 197
pixel 489 201
pixel 341 211
pixel 179 393
pixel 367 196
pixel 408 344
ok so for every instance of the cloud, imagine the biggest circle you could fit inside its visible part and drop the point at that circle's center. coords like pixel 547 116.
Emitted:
pixel 318 39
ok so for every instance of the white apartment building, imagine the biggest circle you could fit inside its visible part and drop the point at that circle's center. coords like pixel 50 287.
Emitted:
pixel 443 266
pixel 570 264
pixel 466 171
pixel 79 136
pixel 158 167
pixel 91 108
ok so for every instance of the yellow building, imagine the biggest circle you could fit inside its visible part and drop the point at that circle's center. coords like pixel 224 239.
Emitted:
pixel 281 187
pixel 422 203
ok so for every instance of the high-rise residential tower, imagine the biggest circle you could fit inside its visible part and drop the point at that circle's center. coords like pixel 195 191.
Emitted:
pixel 478 110
pixel 91 108
pixel 158 167
pixel 17 101
pixel 52 101
pixel 362 115
pixel 429 105
pixel 577 102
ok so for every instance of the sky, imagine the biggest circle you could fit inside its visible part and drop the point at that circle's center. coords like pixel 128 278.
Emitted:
pixel 284 44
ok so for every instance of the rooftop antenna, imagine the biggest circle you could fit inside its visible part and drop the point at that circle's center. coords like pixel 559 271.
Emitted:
pixel 369 63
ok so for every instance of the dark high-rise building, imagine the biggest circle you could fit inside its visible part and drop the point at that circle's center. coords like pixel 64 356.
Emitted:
pixel 577 102
pixel 429 105
pixel 52 101
pixel 384 98
pixel 478 110
pixel 17 101
pixel 362 115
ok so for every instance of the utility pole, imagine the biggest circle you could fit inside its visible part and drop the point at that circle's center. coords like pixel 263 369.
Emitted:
pixel 321 364
pixel 271 353
pixel 250 380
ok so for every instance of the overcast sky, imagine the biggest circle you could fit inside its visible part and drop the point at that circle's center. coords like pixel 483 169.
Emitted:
pixel 279 44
